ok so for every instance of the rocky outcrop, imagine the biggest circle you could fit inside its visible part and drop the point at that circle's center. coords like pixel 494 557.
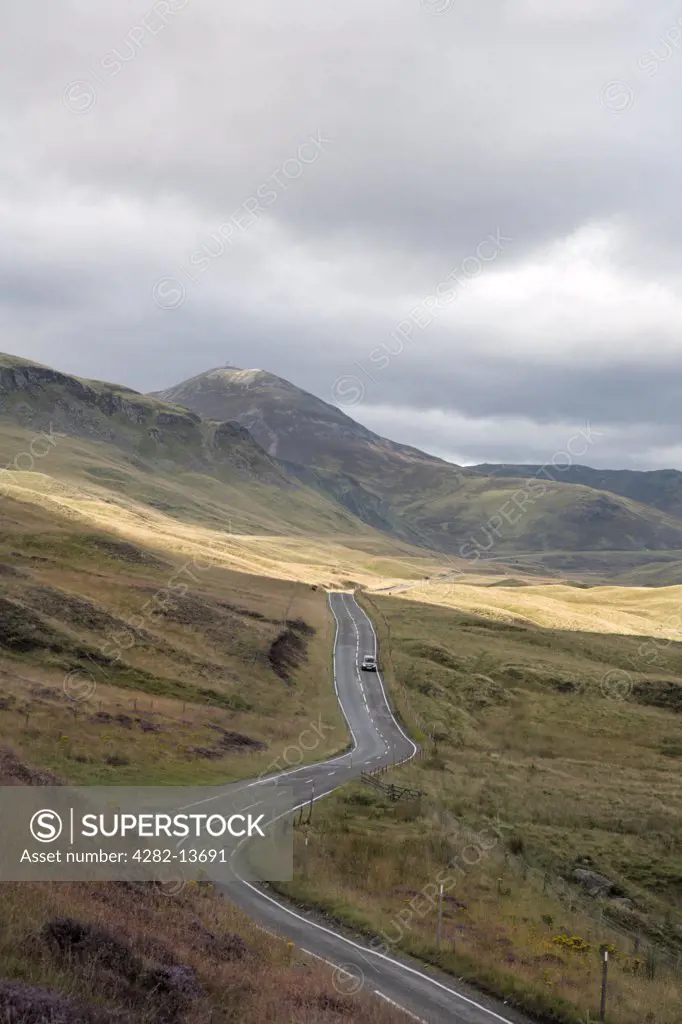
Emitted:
pixel 41 398
pixel 46 391
pixel 598 886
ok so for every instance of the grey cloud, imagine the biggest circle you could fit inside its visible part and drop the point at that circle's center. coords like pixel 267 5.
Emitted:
pixel 486 387
pixel 444 129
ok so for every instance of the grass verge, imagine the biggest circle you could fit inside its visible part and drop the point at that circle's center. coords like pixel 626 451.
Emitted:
pixel 538 783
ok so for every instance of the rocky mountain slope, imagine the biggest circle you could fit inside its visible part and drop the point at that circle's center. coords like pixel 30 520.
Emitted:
pixel 415 496
pixel 41 398
pixel 152 452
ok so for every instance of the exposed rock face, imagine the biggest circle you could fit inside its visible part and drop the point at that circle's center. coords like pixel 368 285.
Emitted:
pixel 46 400
pixel 596 885
pixel 111 400
pixel 74 405
pixel 623 901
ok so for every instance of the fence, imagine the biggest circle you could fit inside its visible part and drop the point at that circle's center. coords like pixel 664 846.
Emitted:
pixel 647 941
pixel 389 789
pixel 642 942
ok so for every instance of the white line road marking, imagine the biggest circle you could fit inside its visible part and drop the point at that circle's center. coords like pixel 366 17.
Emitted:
pixel 398 1006
pixel 219 796
pixel 365 951
pixel 279 775
pixel 317 957
pixel 329 963
pixel 362 950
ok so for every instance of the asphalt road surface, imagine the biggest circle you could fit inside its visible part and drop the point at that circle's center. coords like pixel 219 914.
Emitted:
pixel 377 738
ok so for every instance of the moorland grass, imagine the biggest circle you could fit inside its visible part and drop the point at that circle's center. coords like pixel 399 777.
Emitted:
pixel 520 732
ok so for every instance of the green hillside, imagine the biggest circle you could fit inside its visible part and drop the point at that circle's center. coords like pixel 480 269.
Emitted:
pixel 418 497
pixel 661 488
pixel 251 454
pixel 119 444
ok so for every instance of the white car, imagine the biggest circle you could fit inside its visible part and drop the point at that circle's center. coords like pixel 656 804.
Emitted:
pixel 369 663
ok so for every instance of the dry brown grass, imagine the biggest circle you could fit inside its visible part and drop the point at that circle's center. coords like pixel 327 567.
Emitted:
pixel 368 868
pixel 244 974
pixel 197 662
pixel 572 774
pixel 129 737
pixel 308 558
pixel 630 611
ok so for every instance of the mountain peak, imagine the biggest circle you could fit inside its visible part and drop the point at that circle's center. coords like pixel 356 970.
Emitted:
pixel 290 423
pixel 238 374
pixel 234 376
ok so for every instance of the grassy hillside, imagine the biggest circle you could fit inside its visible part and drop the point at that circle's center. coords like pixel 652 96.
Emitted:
pixel 546 752
pixel 415 496
pixel 241 528
pixel 123 664
pixel 621 568
pixel 322 474
pixel 107 458
pixel 500 516
pixel 660 488
pixel 133 954
pixel 318 442
pixel 137 447
pixel 180 671
pixel 633 611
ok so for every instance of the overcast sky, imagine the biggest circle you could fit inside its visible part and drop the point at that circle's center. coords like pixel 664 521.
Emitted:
pixel 489 190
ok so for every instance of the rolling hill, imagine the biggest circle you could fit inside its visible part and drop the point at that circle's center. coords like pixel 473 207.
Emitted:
pixel 247 453
pixel 170 459
pixel 471 513
pixel 660 488
pixel 109 458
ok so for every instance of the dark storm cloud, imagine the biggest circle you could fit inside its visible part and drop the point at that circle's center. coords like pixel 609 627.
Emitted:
pixel 135 135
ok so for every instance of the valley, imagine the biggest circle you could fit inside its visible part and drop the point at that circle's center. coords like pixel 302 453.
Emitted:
pixel 164 619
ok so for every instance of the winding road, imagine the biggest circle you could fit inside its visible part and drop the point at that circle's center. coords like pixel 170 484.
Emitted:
pixel 377 738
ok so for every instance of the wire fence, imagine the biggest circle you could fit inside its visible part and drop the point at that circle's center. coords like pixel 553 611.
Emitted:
pixel 639 939
pixel 648 940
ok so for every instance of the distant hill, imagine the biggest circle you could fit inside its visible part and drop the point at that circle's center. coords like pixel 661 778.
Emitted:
pixel 660 488
pixel 368 474
pixel 288 422
pixel 36 396
pixel 246 445
pixel 416 496
pixel 166 456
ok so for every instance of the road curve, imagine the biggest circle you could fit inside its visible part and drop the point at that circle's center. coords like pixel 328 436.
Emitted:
pixel 377 738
